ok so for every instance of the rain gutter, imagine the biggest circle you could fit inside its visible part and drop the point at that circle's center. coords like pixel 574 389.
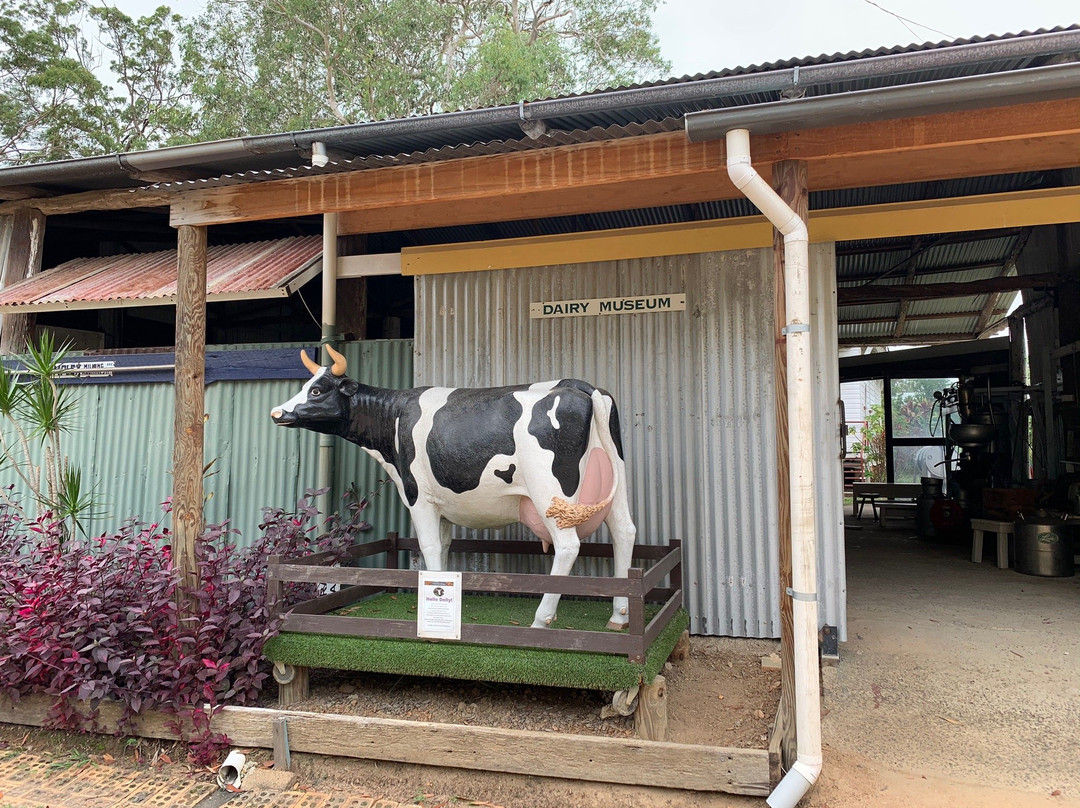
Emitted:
pixel 859 106
pixel 466 126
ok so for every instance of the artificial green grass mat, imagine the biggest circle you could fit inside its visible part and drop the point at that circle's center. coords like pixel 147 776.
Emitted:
pixel 454 660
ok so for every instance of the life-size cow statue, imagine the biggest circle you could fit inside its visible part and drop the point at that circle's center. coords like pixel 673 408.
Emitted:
pixel 547 454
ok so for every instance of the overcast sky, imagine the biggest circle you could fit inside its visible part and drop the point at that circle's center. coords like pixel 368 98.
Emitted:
pixel 698 36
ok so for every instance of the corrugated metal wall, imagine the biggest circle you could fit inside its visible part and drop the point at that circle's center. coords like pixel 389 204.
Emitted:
pixel 694 389
pixel 123 443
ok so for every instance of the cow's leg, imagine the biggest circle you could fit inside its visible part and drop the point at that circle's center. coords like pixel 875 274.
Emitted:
pixel 446 535
pixel 428 526
pixel 623 535
pixel 566 544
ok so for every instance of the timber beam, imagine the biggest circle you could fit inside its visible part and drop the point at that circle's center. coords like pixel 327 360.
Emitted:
pixel 909 339
pixel 112 199
pixel 945 315
pixel 861 295
pixel 648 171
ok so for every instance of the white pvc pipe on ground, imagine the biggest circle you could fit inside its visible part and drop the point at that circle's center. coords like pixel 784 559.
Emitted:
pixel 805 770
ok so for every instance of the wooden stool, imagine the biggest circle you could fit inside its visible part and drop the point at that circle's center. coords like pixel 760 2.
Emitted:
pixel 979 527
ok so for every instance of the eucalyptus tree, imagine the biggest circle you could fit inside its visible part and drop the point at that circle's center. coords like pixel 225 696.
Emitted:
pixel 79 80
pixel 279 65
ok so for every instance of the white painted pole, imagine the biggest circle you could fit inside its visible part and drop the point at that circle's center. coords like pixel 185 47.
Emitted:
pixel 325 474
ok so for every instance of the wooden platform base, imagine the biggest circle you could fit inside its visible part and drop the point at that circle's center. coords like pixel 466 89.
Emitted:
pixel 544 754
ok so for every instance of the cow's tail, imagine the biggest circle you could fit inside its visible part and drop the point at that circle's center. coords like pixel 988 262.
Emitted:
pixel 604 411
pixel 569 514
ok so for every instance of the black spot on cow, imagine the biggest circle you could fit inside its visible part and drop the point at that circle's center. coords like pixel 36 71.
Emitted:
pixel 571 439
pixel 372 415
pixel 508 475
pixel 613 426
pixel 468 431
pixel 613 418
pixel 409 415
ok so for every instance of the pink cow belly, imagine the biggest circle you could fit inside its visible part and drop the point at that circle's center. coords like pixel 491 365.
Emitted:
pixel 595 487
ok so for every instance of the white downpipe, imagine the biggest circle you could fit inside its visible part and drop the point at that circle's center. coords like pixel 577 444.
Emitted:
pixel 325 472
pixel 801 441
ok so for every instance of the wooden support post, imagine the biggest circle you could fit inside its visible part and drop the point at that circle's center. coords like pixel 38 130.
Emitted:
pixel 352 307
pixel 282 754
pixel 189 393
pixel 292 684
pixel 650 717
pixel 393 558
pixel 274 589
pixel 21 237
pixel 636 606
pixel 789 179
pixel 682 648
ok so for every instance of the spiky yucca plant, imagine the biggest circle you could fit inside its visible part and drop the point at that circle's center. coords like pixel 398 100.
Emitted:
pixel 38 411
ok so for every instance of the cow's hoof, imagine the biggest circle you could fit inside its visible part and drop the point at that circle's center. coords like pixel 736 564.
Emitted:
pixel 613 626
pixel 538 624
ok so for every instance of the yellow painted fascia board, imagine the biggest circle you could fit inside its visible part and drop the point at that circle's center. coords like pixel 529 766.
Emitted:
pixel 953 215
pixel 580 248
pixel 957 214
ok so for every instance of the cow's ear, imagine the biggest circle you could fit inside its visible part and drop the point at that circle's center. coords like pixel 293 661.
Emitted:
pixel 349 387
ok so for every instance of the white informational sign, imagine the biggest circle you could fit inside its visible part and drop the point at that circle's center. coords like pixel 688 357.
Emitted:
pixel 438 605
pixel 598 307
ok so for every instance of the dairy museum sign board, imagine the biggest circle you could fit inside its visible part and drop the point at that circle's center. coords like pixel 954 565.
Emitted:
pixel 645 304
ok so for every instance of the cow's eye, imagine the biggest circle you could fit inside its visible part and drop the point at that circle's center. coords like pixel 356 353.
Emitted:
pixel 316 392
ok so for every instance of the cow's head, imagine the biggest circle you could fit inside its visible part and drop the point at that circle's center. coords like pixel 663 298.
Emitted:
pixel 323 403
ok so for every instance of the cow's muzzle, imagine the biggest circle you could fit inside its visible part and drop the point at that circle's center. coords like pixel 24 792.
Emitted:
pixel 283 418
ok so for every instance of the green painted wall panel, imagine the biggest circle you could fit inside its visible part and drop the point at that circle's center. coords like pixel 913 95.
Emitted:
pixel 123 442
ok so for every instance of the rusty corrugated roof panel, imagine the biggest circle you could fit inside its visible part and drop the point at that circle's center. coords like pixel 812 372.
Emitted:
pixel 233 272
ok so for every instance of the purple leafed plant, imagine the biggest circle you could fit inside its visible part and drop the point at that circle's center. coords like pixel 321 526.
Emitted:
pixel 85 620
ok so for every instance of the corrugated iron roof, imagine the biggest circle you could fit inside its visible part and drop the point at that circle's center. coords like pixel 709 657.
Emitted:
pixel 960 258
pixel 849 56
pixel 233 272
pixel 572 118
pixel 612 113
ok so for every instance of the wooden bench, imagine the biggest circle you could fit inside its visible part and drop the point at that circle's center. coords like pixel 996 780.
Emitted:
pixel 899 512
pixel 880 493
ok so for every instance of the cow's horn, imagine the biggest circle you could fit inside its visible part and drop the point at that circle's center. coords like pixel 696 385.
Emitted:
pixel 338 368
pixel 309 363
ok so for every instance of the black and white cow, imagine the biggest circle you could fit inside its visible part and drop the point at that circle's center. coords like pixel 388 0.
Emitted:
pixel 547 454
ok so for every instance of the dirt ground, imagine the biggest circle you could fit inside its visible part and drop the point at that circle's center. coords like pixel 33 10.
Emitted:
pixel 720 696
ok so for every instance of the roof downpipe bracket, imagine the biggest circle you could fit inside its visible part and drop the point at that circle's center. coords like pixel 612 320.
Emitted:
pixel 533 128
